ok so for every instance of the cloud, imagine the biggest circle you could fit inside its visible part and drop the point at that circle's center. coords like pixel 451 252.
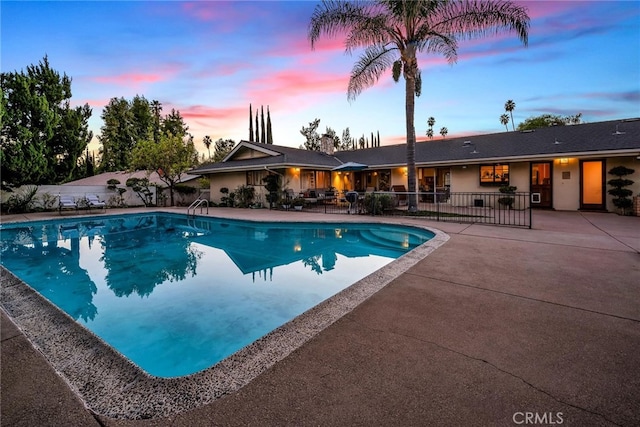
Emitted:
pixel 129 79
pixel 302 84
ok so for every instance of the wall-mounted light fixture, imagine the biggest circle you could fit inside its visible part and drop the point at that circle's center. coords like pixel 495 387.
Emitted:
pixel 296 169
pixel 470 144
pixel 564 161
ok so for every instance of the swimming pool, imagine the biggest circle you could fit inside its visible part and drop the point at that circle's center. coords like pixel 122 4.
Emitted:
pixel 176 295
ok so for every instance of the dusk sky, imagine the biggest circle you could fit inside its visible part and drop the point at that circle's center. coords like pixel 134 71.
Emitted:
pixel 211 59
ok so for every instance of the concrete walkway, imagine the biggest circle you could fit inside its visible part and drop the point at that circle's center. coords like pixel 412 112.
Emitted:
pixel 499 326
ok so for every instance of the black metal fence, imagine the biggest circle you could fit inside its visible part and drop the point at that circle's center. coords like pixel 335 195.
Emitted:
pixel 508 209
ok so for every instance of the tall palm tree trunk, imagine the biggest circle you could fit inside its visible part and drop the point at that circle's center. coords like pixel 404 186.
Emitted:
pixel 411 70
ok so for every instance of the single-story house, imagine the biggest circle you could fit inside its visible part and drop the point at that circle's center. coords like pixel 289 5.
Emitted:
pixel 563 167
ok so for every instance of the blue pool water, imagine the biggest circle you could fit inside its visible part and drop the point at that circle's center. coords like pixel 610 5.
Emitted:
pixel 176 295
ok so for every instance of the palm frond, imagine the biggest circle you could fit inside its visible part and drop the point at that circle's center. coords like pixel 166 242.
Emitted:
pixel 367 71
pixel 442 44
pixel 333 17
pixel 474 19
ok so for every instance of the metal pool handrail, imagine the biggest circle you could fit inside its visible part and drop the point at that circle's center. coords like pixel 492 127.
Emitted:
pixel 198 203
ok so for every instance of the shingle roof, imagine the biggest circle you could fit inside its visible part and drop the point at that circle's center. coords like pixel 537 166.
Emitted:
pixel 583 139
pixel 286 157
pixel 615 136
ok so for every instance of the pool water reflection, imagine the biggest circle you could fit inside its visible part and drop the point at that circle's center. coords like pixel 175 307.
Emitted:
pixel 177 295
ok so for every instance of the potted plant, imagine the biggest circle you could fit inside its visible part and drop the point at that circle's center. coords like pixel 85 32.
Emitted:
pixel 619 192
pixel 507 201
pixel 298 203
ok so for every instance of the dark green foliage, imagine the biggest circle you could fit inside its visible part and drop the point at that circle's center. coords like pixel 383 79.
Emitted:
pixel 621 195
pixel 170 157
pixel 272 185
pixel 507 201
pixel 185 189
pixel 547 120
pixel 244 196
pixel 221 148
pixel 225 200
pixel 127 124
pixel 141 186
pixel 376 204
pixel 21 201
pixel 173 124
pixel 116 136
pixel 250 124
pixel 41 136
pixel 263 132
pixel 269 134
pixel 118 200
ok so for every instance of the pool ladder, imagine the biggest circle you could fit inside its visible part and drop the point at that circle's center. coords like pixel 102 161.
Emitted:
pixel 198 203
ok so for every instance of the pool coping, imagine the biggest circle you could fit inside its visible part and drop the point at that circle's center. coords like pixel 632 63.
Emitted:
pixel 111 385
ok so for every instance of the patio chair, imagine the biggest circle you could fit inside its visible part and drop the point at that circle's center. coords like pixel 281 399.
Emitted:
pixel 66 202
pixel 95 202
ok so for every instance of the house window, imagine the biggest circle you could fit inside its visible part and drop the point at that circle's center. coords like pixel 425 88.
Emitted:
pixel 255 177
pixel 494 174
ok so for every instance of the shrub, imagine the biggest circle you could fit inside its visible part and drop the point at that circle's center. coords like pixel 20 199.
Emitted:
pixel 377 203
pixel 48 201
pixel 22 201
pixel 185 189
pixel 621 195
pixel 244 196
pixel 507 201
pixel 142 188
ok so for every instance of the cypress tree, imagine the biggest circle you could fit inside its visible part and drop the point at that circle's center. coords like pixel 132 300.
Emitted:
pixel 269 134
pixel 257 134
pixel 250 124
pixel 263 137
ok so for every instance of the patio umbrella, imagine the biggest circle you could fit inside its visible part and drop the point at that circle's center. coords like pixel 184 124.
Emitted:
pixel 350 166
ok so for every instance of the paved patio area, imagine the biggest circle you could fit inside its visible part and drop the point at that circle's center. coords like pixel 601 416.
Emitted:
pixel 496 327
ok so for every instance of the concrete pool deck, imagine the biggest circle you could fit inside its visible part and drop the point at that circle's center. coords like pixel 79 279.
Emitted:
pixel 496 325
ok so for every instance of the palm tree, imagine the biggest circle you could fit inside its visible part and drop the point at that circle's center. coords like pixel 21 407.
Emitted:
pixel 430 121
pixel 392 32
pixel 504 119
pixel 444 131
pixel 509 106
pixel 207 143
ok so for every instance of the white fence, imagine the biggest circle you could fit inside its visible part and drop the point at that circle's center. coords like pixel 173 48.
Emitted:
pixel 111 197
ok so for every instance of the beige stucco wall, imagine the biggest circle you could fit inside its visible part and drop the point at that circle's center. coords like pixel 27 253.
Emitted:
pixel 233 180
pixel 566 191
pixel 230 180
pixel 467 179
pixel 566 187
